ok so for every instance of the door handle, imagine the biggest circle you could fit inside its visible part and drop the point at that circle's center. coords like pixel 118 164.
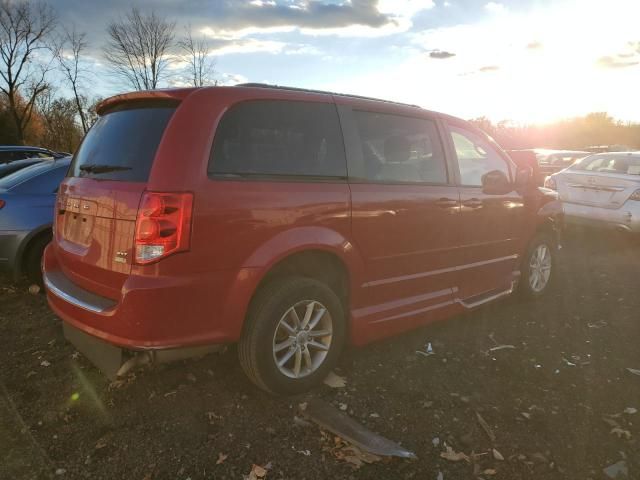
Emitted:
pixel 472 203
pixel 446 203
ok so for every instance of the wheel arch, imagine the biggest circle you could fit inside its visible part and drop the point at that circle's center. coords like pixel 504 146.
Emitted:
pixel 301 251
pixel 25 245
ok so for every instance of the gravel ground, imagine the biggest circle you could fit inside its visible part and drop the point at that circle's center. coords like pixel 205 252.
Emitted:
pixel 559 404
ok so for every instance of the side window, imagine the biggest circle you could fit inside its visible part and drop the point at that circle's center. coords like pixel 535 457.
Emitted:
pixel 268 137
pixel 476 157
pixel 400 149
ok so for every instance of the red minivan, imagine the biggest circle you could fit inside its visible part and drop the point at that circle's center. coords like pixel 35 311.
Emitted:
pixel 288 221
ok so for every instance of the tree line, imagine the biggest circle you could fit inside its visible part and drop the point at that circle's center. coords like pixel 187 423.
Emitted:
pixel 37 53
pixel 594 129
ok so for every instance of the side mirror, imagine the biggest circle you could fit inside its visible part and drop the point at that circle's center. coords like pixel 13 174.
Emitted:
pixel 496 182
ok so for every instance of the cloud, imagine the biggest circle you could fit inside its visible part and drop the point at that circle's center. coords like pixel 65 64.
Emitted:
pixel 495 7
pixel 441 54
pixel 305 14
pixel 630 57
pixel 618 61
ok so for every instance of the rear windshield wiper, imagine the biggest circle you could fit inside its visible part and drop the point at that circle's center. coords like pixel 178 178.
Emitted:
pixel 101 168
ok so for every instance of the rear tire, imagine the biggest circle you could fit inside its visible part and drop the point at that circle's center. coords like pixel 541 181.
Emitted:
pixel 538 266
pixel 293 335
pixel 33 258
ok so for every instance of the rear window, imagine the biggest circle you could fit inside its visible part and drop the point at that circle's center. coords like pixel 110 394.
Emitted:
pixel 122 145
pixel 626 165
pixel 279 138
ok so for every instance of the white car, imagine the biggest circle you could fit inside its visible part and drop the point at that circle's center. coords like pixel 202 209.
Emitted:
pixel 601 190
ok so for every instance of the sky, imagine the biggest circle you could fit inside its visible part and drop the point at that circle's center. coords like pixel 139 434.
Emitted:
pixel 527 61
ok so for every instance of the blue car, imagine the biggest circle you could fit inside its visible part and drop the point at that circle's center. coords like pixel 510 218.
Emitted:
pixel 27 201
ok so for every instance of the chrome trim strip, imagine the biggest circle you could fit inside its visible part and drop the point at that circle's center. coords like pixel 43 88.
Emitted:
pixel 504 293
pixel 415 312
pixel 71 299
pixel 414 276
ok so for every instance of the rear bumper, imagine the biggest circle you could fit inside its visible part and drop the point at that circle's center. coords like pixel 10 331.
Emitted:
pixel 154 313
pixel 626 218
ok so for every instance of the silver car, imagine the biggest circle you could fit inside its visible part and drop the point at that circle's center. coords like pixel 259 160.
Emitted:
pixel 601 190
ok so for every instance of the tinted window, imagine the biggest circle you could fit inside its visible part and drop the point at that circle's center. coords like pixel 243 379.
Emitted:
pixel 124 142
pixel 400 149
pixel 476 156
pixel 268 137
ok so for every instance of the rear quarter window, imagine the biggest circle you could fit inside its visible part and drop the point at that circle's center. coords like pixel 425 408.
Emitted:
pixel 122 142
pixel 279 138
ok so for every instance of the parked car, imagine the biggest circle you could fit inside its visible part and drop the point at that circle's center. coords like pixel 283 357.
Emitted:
pixel 290 221
pixel 601 190
pixel 12 167
pixel 27 200
pixel 9 153
pixel 552 161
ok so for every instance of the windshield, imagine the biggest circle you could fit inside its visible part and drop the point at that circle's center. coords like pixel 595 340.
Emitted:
pixel 122 145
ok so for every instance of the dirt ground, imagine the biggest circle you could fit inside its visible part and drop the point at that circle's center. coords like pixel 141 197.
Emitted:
pixel 560 403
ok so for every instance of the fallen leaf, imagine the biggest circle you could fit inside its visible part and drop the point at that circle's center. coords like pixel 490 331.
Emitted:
pixel 630 411
pixel 610 422
pixel 45 363
pixel 221 458
pixel 335 381
pixel 101 444
pixel 453 456
pixel 635 371
pixel 356 457
pixel 257 472
pixel 485 426
pixel 489 471
pixel 34 289
pixel 497 455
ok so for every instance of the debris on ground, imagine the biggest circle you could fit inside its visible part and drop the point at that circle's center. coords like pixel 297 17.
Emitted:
pixel 45 363
pixel 630 411
pixel 485 426
pixel 618 470
pixel 453 456
pixel 598 324
pixel 620 433
pixel 335 381
pixel 257 472
pixel 635 371
pixel 501 347
pixel 427 352
pixel 331 419
pixel 34 289
pixel 497 455
pixel 344 451
pixel 221 458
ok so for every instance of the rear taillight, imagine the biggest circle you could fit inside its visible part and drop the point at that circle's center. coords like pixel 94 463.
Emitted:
pixel 550 182
pixel 634 196
pixel 163 225
pixel 2 203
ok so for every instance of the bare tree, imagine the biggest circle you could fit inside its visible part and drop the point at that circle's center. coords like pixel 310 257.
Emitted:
pixel 197 55
pixel 25 30
pixel 137 48
pixel 71 47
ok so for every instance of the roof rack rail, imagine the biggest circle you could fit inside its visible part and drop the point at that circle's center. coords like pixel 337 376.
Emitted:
pixel 309 90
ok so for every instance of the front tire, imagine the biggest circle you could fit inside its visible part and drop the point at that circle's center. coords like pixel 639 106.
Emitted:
pixel 293 335
pixel 538 266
